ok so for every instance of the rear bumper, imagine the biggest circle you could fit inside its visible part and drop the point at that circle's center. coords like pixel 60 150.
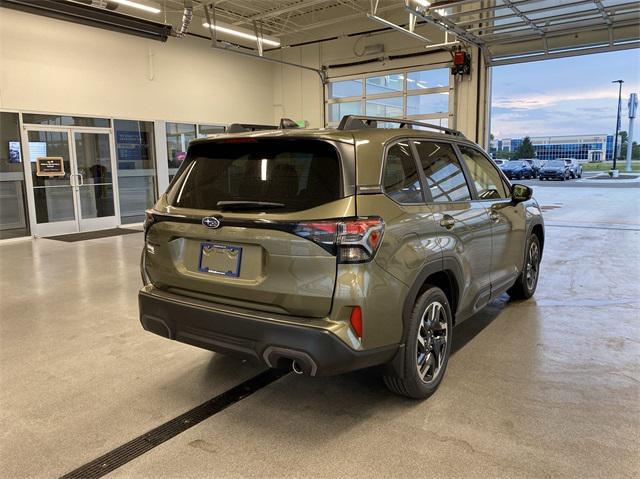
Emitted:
pixel 262 336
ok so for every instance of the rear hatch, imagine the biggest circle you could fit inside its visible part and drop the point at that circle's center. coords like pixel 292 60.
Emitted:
pixel 244 223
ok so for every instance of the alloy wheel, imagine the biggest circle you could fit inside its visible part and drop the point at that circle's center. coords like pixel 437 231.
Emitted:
pixel 533 260
pixel 432 342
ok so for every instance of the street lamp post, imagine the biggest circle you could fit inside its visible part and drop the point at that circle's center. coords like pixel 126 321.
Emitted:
pixel 615 138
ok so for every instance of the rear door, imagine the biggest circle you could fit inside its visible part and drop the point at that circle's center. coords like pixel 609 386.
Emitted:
pixel 464 229
pixel 243 225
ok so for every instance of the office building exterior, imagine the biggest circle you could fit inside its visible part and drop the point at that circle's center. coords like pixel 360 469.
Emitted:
pixel 582 147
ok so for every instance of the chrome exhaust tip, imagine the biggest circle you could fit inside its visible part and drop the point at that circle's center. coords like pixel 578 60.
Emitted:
pixel 295 367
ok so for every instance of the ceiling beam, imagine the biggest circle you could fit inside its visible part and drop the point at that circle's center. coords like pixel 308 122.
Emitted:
pixel 561 30
pixel 279 11
pixel 523 17
pixel 605 15
pixel 534 57
pixel 529 12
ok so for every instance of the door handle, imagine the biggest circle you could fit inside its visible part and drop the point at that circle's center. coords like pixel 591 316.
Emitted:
pixel 74 183
pixel 448 222
pixel 81 179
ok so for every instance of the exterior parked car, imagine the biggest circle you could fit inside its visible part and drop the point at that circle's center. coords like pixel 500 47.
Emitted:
pixel 535 165
pixel 517 169
pixel 575 168
pixel 328 251
pixel 555 170
pixel 500 162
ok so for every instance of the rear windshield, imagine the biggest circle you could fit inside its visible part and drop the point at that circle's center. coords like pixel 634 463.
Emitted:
pixel 288 175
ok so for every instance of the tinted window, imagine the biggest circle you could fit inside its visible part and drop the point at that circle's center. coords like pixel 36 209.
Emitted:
pixel 445 178
pixel 299 174
pixel 486 178
pixel 401 181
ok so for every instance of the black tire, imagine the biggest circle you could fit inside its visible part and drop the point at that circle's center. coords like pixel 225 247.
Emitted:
pixel 524 288
pixel 410 383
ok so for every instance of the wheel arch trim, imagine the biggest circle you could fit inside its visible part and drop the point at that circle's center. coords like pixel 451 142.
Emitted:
pixel 447 265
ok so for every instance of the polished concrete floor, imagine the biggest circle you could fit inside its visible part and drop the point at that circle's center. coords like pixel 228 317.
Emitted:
pixel 549 387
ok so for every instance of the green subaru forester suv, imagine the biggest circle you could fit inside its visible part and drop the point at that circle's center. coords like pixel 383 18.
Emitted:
pixel 327 251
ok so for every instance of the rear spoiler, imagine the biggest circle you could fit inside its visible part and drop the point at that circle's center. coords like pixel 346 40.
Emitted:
pixel 285 124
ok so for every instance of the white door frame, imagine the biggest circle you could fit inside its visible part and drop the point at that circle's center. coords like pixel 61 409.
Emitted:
pixel 106 222
pixel 78 224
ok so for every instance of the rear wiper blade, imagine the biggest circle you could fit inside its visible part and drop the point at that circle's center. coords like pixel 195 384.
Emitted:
pixel 247 205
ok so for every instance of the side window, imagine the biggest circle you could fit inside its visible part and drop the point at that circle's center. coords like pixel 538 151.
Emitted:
pixel 488 182
pixel 445 178
pixel 401 181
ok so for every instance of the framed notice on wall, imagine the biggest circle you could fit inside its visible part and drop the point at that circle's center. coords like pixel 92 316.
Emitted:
pixel 50 166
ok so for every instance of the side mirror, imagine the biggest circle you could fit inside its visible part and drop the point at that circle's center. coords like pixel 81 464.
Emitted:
pixel 520 193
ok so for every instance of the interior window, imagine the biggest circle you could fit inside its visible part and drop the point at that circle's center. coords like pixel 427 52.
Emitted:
pixel 401 181
pixel 445 178
pixel 486 178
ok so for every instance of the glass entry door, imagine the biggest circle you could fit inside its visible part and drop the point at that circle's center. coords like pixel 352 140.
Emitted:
pixel 81 196
pixel 94 180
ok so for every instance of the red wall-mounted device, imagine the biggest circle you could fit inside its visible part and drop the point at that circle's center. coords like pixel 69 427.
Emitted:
pixel 461 63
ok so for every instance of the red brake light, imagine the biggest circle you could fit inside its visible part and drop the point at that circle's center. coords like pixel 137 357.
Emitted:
pixel 354 240
pixel 356 320
pixel 359 239
pixel 321 232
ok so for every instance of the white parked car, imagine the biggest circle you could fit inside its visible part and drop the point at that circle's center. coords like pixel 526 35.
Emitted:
pixel 575 168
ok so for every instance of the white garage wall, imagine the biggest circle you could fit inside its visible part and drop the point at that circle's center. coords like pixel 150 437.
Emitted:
pixel 49 65
pixel 298 92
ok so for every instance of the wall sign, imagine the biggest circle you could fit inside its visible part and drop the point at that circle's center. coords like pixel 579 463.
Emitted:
pixel 50 166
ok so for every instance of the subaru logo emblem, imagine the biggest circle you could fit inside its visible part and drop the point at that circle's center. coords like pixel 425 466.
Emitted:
pixel 211 222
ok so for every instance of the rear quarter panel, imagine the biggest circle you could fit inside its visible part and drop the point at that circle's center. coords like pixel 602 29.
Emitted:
pixel 409 243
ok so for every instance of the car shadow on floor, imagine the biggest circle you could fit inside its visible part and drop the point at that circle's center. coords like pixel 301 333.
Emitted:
pixel 469 329
pixel 318 407
pixel 462 335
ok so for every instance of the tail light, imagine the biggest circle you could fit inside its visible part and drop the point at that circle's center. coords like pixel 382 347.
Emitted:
pixel 353 240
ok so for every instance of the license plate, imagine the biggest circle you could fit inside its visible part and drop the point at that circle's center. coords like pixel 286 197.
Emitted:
pixel 220 259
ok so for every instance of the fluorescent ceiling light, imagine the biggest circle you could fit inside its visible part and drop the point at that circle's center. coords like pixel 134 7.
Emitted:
pixel 139 6
pixel 417 4
pixel 238 33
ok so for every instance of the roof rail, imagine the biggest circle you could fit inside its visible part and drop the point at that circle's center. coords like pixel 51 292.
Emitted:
pixel 357 122
pixel 285 124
